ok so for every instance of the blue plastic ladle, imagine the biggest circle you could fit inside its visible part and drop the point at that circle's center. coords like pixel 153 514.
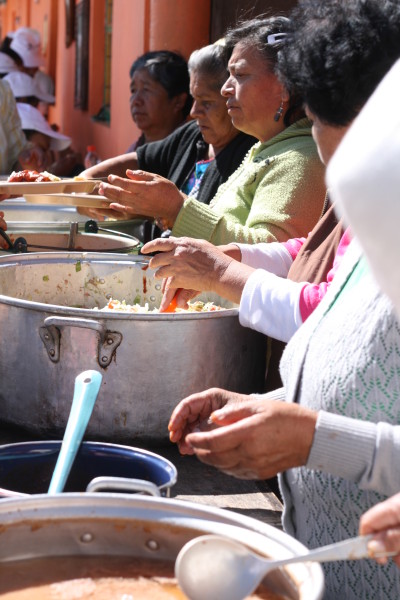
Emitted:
pixel 87 386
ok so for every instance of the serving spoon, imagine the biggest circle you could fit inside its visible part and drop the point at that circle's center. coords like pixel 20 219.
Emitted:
pixel 212 567
pixel 87 385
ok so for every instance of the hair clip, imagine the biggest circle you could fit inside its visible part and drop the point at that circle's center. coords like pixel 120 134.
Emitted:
pixel 275 38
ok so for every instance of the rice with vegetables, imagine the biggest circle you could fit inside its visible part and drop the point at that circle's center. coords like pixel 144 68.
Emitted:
pixel 122 306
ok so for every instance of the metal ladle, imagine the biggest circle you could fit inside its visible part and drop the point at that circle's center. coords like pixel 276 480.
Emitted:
pixel 212 567
pixel 87 386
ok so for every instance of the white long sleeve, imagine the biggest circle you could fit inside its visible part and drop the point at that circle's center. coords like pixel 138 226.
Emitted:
pixel 270 304
pixel 272 257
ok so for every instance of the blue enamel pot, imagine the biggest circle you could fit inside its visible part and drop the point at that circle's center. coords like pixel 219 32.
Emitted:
pixel 27 467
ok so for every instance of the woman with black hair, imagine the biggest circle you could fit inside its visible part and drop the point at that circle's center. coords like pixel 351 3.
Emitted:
pixel 160 100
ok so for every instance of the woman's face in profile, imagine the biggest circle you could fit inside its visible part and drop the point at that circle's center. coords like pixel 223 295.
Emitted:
pixel 327 137
pixel 253 93
pixel 209 110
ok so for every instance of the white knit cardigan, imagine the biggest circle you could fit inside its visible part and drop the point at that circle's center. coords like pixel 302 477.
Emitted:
pixel 344 362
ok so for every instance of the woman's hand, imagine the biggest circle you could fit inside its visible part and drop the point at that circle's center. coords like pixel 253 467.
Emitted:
pixel 255 439
pixel 383 520
pixel 196 265
pixel 144 194
pixel 193 413
pixel 101 214
pixel 65 163
pixel 188 267
pixel 33 159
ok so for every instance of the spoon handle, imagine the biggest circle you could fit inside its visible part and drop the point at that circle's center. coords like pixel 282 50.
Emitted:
pixel 351 549
pixel 87 386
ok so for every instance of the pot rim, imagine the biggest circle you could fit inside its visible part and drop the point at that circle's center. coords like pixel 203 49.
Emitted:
pixel 93 257
pixel 89 507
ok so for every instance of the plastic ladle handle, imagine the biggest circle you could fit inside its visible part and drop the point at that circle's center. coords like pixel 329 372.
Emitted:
pixel 87 386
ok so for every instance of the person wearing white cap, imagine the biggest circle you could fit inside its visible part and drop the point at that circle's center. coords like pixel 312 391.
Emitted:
pixel 26 89
pixel 50 142
pixel 26 43
pixel 33 121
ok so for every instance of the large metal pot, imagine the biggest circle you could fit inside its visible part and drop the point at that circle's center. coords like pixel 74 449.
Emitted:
pixel 27 468
pixel 20 211
pixel 52 329
pixel 37 237
pixel 121 525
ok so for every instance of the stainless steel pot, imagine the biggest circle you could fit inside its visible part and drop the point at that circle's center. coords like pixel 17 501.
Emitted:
pixel 121 525
pixel 52 329
pixel 37 237
pixel 20 211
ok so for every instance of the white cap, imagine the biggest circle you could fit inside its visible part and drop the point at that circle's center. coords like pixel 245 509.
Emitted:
pixel 32 118
pixel 6 63
pixel 23 85
pixel 26 43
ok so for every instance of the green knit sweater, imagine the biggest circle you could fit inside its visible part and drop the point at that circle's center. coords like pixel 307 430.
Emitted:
pixel 276 194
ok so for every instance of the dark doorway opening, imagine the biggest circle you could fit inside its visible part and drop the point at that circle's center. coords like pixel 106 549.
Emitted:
pixel 226 13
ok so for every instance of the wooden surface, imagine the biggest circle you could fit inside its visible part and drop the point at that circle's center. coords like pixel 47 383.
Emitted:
pixel 201 483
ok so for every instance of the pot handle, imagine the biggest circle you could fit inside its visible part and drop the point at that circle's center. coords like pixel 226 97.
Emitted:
pixel 75 322
pixel 50 335
pixel 122 484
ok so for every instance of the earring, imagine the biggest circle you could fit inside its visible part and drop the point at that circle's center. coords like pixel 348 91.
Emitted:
pixel 279 112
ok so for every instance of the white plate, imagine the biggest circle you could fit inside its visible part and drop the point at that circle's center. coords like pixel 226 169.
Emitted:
pixel 66 186
pixel 83 200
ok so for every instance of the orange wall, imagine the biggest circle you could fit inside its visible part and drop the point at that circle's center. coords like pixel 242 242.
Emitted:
pixel 138 26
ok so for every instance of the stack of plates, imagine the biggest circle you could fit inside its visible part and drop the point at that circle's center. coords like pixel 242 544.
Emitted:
pixel 68 192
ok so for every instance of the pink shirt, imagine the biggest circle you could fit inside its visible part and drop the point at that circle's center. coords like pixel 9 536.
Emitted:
pixel 312 294
pixel 273 304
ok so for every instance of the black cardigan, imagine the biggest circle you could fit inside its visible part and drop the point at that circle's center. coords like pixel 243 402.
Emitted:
pixel 175 156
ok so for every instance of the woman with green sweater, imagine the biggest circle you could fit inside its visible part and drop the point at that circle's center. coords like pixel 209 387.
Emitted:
pixel 278 191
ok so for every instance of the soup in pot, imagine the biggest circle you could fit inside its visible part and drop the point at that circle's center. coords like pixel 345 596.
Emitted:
pixel 95 577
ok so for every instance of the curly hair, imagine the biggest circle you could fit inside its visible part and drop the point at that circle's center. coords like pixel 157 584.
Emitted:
pixel 169 69
pixel 337 53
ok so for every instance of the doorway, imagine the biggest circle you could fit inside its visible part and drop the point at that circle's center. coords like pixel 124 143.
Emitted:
pixel 226 13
